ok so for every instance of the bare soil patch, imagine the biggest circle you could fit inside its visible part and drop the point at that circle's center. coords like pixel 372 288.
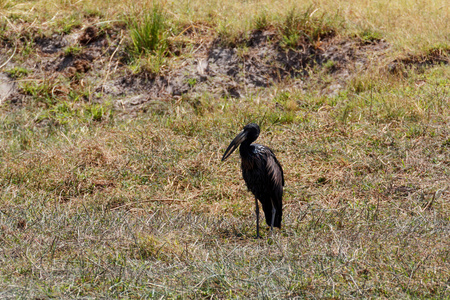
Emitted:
pixel 98 58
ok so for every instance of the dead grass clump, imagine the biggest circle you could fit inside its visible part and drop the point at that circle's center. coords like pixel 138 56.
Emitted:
pixel 91 155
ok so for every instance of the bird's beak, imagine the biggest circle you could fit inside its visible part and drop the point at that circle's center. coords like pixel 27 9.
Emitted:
pixel 234 144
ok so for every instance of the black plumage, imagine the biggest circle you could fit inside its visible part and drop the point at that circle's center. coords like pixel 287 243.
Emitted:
pixel 262 173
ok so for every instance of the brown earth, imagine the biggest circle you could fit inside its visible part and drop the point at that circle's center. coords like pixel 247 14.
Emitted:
pixel 213 67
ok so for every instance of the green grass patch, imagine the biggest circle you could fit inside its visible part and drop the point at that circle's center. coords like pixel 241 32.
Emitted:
pixel 41 91
pixel 148 31
pixel 18 72
pixel 370 35
pixel 72 50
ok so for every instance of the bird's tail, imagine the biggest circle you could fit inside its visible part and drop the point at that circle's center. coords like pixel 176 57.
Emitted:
pixel 267 207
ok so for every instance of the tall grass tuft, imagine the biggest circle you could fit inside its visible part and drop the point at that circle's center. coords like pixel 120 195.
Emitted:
pixel 297 27
pixel 148 33
pixel 261 21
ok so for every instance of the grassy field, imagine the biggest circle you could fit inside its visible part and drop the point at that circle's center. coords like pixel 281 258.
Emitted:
pixel 103 197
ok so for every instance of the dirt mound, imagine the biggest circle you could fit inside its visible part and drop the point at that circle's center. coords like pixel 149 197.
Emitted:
pixel 259 61
pixel 233 71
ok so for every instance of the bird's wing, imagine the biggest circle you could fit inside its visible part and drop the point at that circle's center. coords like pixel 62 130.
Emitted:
pixel 274 168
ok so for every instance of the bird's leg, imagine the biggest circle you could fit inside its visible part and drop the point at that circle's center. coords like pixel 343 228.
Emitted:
pixel 274 211
pixel 257 218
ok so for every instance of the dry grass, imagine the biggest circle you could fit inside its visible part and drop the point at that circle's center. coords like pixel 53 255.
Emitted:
pixel 411 26
pixel 97 202
pixel 144 208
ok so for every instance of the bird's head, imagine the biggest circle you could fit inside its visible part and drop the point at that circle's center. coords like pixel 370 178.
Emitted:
pixel 248 135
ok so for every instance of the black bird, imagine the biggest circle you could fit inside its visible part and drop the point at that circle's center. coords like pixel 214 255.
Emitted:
pixel 262 173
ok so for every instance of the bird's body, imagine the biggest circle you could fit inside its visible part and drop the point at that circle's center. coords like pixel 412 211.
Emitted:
pixel 262 174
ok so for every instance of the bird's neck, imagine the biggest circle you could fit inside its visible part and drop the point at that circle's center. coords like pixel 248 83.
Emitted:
pixel 244 149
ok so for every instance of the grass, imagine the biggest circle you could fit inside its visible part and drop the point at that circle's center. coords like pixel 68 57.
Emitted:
pixel 103 200
pixel 72 50
pixel 17 72
pixel 411 26
pixel 139 208
pixel 148 35
pixel 300 26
